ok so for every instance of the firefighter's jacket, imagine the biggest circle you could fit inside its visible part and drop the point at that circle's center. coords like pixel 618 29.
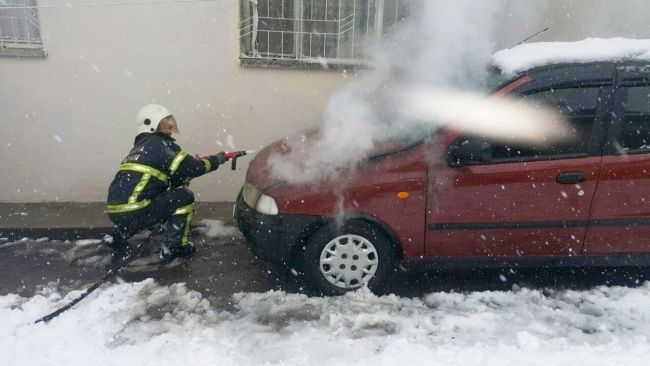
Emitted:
pixel 155 164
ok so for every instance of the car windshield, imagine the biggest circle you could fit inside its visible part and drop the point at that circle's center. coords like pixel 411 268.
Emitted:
pixel 395 144
pixel 404 140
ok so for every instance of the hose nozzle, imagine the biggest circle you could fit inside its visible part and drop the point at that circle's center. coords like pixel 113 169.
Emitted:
pixel 237 154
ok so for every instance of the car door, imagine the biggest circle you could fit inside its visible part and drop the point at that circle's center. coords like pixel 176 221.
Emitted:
pixel 621 210
pixel 527 200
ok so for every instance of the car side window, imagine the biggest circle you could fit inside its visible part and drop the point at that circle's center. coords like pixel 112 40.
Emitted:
pixel 635 131
pixel 578 105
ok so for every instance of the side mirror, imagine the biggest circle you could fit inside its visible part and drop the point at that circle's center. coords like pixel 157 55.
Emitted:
pixel 469 151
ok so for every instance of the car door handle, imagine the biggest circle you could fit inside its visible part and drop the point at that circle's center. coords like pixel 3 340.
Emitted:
pixel 571 178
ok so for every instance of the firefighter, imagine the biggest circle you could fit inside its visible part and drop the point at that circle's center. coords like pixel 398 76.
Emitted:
pixel 151 186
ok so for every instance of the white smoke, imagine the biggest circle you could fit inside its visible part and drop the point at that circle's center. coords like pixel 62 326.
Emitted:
pixel 441 45
pixel 499 119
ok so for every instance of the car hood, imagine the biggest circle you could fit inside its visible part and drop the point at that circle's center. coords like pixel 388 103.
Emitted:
pixel 259 171
pixel 261 175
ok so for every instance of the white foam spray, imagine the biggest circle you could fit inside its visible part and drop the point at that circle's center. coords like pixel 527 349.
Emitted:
pixel 442 45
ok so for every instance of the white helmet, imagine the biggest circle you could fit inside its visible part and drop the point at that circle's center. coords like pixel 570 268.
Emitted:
pixel 150 116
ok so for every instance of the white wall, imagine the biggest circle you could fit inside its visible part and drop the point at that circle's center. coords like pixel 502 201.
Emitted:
pixel 572 20
pixel 105 63
pixel 68 120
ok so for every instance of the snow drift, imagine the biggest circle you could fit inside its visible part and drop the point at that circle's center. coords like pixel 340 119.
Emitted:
pixel 217 229
pixel 143 323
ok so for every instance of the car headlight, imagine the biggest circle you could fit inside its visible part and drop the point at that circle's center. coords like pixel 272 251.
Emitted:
pixel 260 202
pixel 250 194
pixel 266 205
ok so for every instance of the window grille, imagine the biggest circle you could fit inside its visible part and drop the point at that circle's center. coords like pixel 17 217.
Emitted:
pixel 20 31
pixel 299 32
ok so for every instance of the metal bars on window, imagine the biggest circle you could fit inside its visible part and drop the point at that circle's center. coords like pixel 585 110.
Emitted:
pixel 313 30
pixel 19 25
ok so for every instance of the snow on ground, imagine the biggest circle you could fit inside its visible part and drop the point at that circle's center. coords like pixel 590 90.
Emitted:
pixel 217 229
pixel 6 243
pixel 84 252
pixel 88 241
pixel 520 58
pixel 144 323
pixel 83 242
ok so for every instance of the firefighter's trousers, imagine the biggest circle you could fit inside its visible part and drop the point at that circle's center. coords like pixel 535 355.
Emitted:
pixel 174 208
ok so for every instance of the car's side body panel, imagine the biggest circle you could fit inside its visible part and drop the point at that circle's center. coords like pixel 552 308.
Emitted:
pixel 515 209
pixel 372 191
pixel 620 218
pixel 519 208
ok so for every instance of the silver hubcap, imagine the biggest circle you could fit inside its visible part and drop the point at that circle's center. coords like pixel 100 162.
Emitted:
pixel 349 261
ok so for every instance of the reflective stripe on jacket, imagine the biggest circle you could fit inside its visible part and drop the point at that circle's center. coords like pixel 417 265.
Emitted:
pixel 154 164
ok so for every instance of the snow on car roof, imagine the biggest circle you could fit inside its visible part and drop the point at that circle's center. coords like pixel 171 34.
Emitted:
pixel 527 56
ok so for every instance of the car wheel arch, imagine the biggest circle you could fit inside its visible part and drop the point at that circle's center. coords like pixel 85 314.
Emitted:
pixel 310 230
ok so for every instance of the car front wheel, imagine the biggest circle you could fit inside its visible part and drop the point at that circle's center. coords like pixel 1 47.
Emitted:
pixel 344 259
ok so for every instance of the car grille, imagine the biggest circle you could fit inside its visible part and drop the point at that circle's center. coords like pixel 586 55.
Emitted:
pixel 250 194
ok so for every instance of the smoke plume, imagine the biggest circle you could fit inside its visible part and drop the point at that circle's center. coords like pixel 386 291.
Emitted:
pixel 441 46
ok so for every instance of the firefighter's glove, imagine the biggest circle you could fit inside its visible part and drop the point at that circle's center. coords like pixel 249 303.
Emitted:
pixel 225 156
pixel 222 157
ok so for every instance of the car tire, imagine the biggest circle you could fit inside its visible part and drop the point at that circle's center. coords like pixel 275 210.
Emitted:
pixel 350 252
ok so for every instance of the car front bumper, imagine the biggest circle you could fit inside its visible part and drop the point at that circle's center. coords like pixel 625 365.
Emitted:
pixel 273 238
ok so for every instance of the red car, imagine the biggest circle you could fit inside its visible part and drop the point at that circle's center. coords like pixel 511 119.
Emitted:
pixel 452 200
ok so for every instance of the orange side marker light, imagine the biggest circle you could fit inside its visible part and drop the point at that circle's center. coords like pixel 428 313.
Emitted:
pixel 403 195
